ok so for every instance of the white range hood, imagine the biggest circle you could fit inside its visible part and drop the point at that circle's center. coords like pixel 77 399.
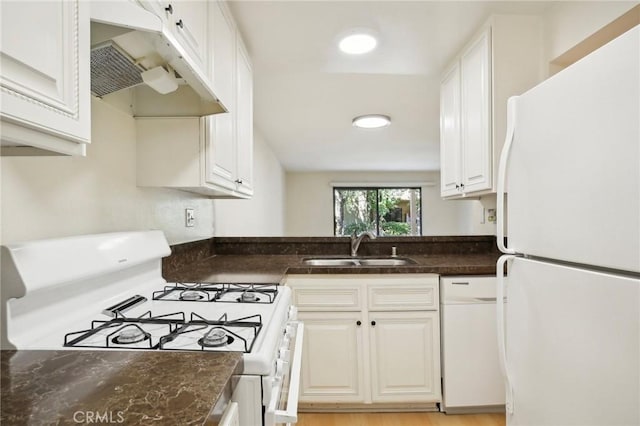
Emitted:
pixel 126 40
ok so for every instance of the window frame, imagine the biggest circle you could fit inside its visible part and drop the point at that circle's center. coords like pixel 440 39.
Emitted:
pixel 376 188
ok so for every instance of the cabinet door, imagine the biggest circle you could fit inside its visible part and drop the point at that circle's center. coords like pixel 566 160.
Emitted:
pixel 450 176
pixel 475 71
pixel 223 62
pixel 332 369
pixel 244 121
pixel 221 154
pixel 190 23
pixel 405 356
pixel 45 98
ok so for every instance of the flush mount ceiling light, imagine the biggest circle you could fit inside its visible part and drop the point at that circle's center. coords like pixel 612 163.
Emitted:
pixel 358 43
pixel 371 121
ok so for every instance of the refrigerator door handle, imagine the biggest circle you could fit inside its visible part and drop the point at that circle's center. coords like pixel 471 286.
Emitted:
pixel 502 171
pixel 501 323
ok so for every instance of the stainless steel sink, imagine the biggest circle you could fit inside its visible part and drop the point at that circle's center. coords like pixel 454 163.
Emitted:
pixel 330 262
pixel 386 261
pixel 365 261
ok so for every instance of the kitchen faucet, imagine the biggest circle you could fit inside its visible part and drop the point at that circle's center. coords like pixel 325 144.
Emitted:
pixel 357 239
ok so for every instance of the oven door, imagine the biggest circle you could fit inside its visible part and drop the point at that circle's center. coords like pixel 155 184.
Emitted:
pixel 283 405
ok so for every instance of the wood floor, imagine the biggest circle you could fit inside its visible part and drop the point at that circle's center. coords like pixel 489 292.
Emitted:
pixel 399 419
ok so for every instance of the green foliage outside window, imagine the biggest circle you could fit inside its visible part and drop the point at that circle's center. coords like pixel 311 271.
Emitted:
pixel 383 211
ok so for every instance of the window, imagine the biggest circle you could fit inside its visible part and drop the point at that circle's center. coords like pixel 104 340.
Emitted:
pixel 383 211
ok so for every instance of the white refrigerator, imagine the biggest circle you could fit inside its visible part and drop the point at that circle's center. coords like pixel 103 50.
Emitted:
pixel 569 334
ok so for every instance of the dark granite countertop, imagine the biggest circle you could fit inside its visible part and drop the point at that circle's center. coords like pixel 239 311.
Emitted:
pixel 128 387
pixel 273 268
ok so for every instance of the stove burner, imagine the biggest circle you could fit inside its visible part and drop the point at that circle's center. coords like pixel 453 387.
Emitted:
pixel 249 297
pixel 216 337
pixel 130 335
pixel 192 295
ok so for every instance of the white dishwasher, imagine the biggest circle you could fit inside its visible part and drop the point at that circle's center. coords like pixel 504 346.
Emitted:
pixel 471 377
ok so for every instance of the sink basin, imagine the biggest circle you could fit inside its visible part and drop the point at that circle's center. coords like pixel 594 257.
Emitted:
pixel 331 262
pixel 386 262
pixel 364 261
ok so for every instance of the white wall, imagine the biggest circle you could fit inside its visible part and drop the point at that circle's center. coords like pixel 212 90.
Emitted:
pixel 263 214
pixel 46 197
pixel 309 202
pixel 569 22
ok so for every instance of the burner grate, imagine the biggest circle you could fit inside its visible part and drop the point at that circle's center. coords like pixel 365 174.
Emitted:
pixel 226 293
pixel 135 332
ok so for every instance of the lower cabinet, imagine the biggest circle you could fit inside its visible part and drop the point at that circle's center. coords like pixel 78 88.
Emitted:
pixel 332 357
pixel 404 353
pixel 371 339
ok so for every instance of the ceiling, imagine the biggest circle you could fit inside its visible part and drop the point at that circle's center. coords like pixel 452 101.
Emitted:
pixel 306 92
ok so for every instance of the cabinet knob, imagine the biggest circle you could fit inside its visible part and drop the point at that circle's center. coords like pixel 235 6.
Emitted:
pixel 169 9
pixel 358 322
pixel 373 323
pixel 462 185
pixel 180 23
pixel 239 181
pixel 457 186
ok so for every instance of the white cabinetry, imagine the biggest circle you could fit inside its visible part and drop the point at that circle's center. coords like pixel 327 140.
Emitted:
pixel 231 153
pixel 371 339
pixel 212 156
pixel 187 20
pixel 244 121
pixel 44 79
pixel 502 60
pixel 173 153
pixel 332 357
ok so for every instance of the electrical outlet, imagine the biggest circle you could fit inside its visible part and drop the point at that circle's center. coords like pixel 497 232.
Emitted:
pixel 189 218
pixel 492 215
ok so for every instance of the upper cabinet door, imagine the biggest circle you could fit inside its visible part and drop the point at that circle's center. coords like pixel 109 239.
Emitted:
pixel 475 65
pixel 45 98
pixel 190 22
pixel 450 133
pixel 223 62
pixel 244 122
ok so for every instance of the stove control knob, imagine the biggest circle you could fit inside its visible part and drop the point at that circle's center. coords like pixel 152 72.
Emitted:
pixel 291 330
pixel 285 342
pixel 284 354
pixel 293 313
pixel 280 368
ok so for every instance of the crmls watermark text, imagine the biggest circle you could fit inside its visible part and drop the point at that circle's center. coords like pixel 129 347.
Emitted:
pixel 98 417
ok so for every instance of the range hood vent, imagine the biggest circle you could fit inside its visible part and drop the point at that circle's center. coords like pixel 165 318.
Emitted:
pixel 112 70
pixel 128 40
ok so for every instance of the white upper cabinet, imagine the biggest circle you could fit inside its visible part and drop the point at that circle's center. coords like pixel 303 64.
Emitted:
pixel 503 59
pixel 188 21
pixel 221 151
pixel 450 132
pixel 213 155
pixel 244 121
pixel 230 136
pixel 475 92
pixel 44 79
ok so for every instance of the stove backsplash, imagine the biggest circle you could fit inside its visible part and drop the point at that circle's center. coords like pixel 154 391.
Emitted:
pixel 184 254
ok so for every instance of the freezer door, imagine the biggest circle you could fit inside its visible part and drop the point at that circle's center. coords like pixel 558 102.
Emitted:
pixel 573 171
pixel 573 346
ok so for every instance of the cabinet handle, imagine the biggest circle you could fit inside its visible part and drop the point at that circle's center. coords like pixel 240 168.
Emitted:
pixel 462 185
pixel 457 186
pixel 180 23
pixel 358 323
pixel 373 323
pixel 169 9
pixel 239 181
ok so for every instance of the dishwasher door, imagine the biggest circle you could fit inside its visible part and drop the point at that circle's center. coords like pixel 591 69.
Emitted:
pixel 471 376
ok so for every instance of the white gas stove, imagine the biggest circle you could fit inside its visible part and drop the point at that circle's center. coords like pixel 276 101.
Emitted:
pixel 106 292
